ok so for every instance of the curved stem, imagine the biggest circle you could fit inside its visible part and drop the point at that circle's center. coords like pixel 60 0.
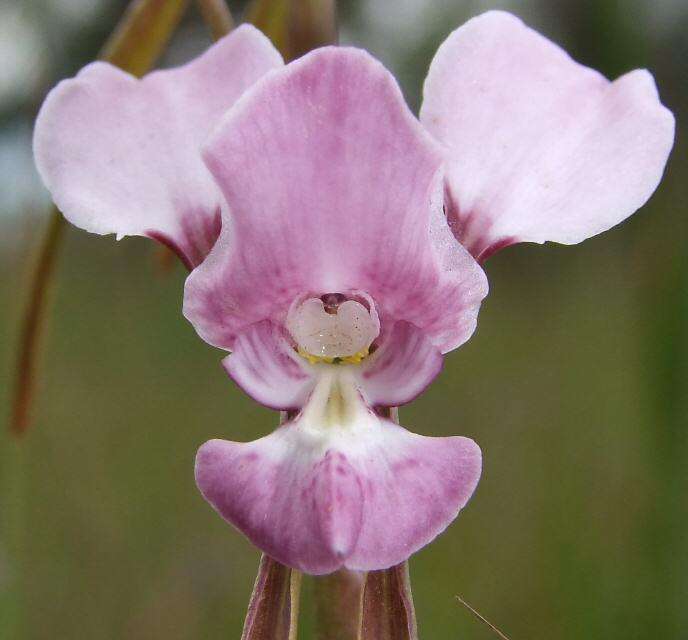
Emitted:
pixel 273 611
pixel 142 34
pixel 295 26
pixel 217 16
pixel 32 324
pixel 135 44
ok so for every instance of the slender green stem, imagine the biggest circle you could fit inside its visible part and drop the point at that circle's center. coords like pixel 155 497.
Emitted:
pixel 295 607
pixel 313 23
pixel 387 611
pixel 142 34
pixel 273 611
pixel 337 601
pixel 217 16
pixel 295 26
pixel 34 317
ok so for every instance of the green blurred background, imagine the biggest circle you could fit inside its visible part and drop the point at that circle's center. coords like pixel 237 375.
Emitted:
pixel 575 385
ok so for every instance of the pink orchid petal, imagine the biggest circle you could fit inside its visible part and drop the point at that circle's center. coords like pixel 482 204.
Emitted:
pixel 266 367
pixel 401 368
pixel 364 499
pixel 332 183
pixel 121 155
pixel 539 147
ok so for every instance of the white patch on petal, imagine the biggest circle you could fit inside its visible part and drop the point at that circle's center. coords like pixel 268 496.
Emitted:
pixel 336 404
pixel 341 332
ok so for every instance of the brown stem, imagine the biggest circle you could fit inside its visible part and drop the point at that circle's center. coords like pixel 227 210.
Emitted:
pixel 217 16
pixel 387 610
pixel 273 608
pixel 295 26
pixel 142 34
pixel 135 45
pixel 313 23
pixel 32 322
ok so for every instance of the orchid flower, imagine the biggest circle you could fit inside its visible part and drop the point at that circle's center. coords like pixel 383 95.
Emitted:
pixel 350 235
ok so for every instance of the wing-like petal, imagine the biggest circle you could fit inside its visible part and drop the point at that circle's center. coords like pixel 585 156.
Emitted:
pixel 539 147
pixel 121 155
pixel 266 367
pixel 332 184
pixel 401 369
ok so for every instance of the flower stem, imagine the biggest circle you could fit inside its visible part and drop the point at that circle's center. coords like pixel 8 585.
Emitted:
pixel 337 601
pixel 273 611
pixel 295 606
pixel 295 26
pixel 31 329
pixel 387 611
pixel 142 34
pixel 135 44
pixel 217 16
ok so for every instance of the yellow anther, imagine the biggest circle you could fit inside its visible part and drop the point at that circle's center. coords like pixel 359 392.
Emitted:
pixel 353 359
pixel 356 358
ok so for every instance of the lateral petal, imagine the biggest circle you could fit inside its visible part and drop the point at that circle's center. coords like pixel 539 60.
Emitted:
pixel 538 146
pixel 122 155
pixel 266 367
pixel 401 369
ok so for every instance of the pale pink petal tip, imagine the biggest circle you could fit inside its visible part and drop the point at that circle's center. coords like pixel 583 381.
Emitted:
pixel 121 155
pixel 363 495
pixel 538 146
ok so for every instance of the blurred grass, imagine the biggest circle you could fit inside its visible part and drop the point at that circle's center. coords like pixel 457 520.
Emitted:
pixel 575 385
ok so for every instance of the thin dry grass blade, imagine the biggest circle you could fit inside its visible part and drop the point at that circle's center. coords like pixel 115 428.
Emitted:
pixel 482 619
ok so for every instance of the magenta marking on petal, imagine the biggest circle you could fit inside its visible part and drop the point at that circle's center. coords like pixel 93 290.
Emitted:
pixel 496 246
pixel 265 366
pixel 171 245
pixel 198 234
pixel 337 499
pixel 473 229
